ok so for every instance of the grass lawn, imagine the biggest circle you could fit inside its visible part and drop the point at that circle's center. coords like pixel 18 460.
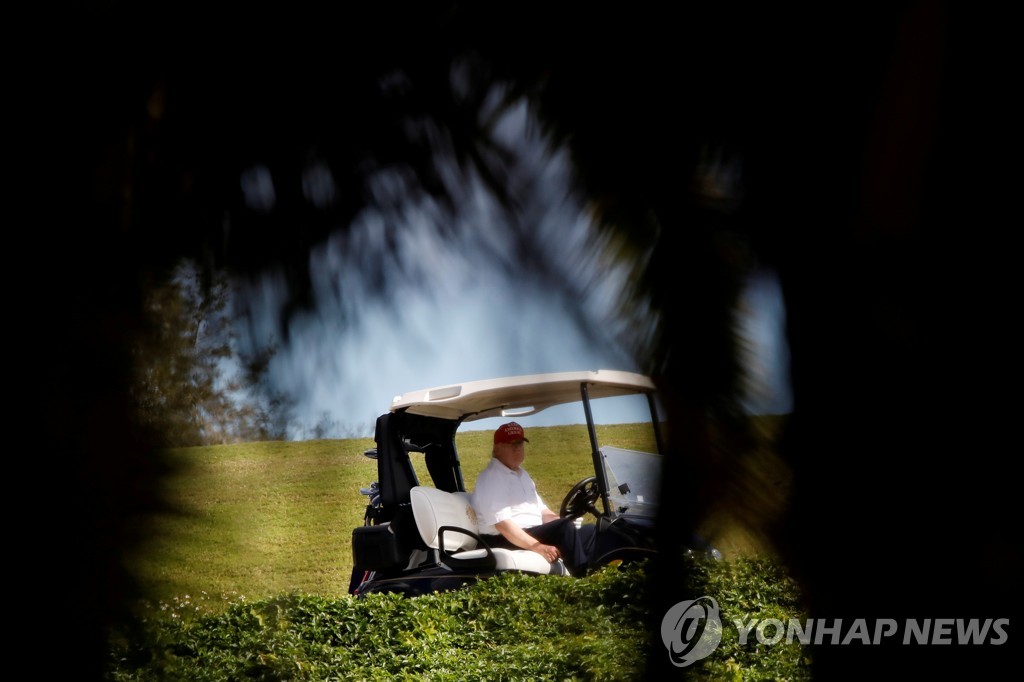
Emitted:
pixel 263 519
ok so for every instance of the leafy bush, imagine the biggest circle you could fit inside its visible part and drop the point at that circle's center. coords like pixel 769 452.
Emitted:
pixel 511 627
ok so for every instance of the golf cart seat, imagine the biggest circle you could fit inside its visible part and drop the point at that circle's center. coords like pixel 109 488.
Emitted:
pixel 447 523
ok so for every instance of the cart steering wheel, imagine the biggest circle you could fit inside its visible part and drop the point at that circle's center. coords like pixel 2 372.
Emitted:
pixel 581 499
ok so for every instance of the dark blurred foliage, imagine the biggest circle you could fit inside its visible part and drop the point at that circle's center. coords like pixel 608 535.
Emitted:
pixel 193 386
pixel 868 140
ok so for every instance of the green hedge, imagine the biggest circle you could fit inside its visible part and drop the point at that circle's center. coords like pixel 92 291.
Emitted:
pixel 511 627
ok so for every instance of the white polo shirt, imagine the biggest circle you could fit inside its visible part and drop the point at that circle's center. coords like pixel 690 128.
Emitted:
pixel 501 494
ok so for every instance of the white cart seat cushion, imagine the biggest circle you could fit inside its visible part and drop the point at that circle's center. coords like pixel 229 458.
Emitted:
pixel 525 560
pixel 435 508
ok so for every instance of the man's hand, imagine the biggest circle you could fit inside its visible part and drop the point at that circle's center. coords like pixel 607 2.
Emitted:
pixel 520 538
pixel 549 552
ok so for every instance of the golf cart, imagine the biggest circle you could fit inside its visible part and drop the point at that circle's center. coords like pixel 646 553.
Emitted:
pixel 420 536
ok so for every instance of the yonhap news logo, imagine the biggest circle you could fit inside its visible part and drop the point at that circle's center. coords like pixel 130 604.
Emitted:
pixel 692 630
pixel 919 631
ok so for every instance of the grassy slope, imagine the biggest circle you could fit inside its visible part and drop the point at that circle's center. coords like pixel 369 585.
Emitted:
pixel 262 519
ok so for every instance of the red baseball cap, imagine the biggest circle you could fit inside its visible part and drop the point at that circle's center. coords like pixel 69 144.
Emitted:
pixel 510 433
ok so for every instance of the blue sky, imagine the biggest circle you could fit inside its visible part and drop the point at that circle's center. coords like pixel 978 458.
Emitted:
pixel 473 322
pixel 453 311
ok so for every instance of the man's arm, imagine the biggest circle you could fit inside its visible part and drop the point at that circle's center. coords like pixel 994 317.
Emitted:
pixel 520 538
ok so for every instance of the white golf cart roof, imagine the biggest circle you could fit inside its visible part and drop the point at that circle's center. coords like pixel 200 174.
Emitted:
pixel 518 396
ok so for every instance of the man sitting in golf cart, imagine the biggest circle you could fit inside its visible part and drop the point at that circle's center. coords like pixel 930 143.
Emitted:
pixel 511 513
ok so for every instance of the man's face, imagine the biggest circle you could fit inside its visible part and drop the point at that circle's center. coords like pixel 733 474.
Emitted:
pixel 510 454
